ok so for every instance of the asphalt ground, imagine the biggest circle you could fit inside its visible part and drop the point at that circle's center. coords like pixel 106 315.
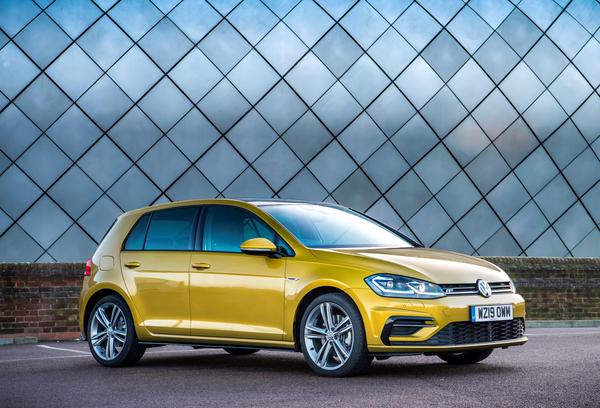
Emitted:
pixel 557 368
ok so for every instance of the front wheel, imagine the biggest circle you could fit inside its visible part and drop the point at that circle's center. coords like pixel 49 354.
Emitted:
pixel 111 333
pixel 467 357
pixel 332 337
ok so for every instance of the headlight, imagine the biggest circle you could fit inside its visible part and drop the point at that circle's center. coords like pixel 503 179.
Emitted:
pixel 403 287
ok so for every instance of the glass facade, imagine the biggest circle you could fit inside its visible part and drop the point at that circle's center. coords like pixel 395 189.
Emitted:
pixel 471 126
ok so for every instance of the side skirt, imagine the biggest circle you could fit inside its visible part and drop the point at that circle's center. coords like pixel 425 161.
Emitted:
pixel 213 345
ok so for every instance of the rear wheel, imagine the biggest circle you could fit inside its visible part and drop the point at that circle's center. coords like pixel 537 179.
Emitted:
pixel 332 337
pixel 240 351
pixel 467 357
pixel 111 333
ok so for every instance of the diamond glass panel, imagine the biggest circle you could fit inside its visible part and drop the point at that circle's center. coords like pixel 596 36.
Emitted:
pixel 496 57
pixel 253 66
pixel 165 115
pixel 104 102
pixel 337 50
pixel 251 135
pixel 194 18
pixel 44 162
pixel 253 19
pixel 15 14
pixel 17 132
pixel 74 72
pixel 74 16
pixel 282 48
pixel 310 78
pixel 43 102
pixel 135 17
pixel 105 42
pixel 445 55
pixel 135 133
pixel 364 23
pixel 281 107
pixel 417 26
pixel 42 40
pixel 308 21
pixel 166 44
pixel 361 138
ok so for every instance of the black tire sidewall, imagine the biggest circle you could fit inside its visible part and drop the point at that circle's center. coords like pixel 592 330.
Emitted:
pixel 359 359
pixel 131 351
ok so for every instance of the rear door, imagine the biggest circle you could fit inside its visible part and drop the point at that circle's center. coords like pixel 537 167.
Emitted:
pixel 155 263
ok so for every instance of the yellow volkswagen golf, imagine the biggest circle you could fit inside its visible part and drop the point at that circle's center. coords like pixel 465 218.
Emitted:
pixel 322 279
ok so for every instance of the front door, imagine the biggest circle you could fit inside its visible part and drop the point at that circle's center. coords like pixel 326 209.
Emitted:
pixel 233 294
pixel 155 263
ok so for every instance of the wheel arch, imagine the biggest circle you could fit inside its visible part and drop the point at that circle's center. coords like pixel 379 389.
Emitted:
pixel 306 300
pixel 95 298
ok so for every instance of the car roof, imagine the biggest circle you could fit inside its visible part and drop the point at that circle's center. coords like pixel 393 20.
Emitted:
pixel 258 202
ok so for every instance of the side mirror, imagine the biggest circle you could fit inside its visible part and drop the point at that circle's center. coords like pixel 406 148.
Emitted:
pixel 258 246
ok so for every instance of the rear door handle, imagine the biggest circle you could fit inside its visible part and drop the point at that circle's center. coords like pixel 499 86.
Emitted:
pixel 200 265
pixel 133 264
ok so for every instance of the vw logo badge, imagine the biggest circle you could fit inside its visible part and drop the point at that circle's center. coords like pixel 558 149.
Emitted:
pixel 484 288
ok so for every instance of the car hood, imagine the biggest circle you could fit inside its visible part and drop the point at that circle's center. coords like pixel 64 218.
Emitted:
pixel 433 265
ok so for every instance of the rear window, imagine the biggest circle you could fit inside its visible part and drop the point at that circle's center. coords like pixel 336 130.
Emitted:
pixel 165 230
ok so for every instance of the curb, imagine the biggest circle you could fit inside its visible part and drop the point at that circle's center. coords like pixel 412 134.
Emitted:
pixel 7 341
pixel 560 324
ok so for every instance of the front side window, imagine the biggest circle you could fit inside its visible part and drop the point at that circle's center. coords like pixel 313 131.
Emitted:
pixel 164 230
pixel 319 226
pixel 227 227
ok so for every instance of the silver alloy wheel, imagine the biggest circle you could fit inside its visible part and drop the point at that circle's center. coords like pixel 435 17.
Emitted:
pixel 108 331
pixel 329 336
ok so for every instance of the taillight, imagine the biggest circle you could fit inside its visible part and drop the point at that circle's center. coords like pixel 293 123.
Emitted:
pixel 88 267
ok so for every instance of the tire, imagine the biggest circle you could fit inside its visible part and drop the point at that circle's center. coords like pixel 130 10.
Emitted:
pixel 127 350
pixel 467 357
pixel 240 351
pixel 323 349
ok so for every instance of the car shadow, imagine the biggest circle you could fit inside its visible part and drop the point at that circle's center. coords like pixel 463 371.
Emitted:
pixel 293 364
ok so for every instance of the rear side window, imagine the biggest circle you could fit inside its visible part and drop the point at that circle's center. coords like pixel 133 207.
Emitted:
pixel 135 241
pixel 171 230
pixel 165 230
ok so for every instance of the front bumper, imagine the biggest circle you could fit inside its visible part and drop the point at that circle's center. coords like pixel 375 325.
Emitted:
pixel 378 311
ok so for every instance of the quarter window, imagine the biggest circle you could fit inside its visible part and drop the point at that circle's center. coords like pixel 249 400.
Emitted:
pixel 135 240
pixel 226 227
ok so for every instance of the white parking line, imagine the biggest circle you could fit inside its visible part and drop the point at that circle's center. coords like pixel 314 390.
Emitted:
pixel 16 360
pixel 63 349
pixel 84 354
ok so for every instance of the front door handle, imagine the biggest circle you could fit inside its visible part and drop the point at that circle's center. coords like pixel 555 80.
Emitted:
pixel 200 265
pixel 133 264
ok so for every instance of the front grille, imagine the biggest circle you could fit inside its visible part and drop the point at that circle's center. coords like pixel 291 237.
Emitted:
pixel 455 289
pixel 471 333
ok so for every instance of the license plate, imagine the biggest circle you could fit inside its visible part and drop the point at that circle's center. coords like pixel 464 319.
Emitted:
pixel 491 313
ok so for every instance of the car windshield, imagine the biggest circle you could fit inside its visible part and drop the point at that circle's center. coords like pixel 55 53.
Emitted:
pixel 319 226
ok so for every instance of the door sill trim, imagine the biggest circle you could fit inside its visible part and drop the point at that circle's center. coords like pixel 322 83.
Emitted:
pixel 219 345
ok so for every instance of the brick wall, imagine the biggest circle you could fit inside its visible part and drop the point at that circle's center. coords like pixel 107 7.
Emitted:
pixel 40 300
pixel 556 288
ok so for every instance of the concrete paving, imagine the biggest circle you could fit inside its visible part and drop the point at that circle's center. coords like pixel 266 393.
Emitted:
pixel 557 368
